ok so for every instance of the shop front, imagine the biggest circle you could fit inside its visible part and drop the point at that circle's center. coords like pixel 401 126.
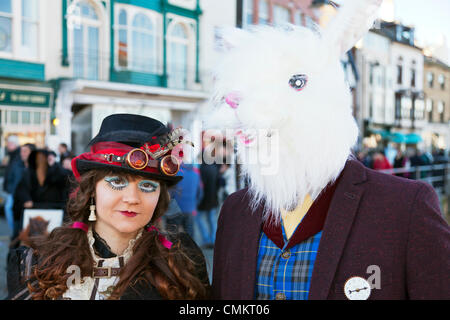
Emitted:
pixel 25 112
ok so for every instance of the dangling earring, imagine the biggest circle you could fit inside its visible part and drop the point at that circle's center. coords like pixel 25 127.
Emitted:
pixel 92 216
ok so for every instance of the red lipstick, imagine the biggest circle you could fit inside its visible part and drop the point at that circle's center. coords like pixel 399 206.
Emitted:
pixel 129 214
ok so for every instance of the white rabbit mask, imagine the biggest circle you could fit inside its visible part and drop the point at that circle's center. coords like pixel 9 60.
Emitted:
pixel 283 92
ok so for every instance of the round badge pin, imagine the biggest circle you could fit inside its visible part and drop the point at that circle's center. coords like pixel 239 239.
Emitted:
pixel 357 288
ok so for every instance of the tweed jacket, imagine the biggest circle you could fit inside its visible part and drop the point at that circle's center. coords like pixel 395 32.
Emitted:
pixel 377 225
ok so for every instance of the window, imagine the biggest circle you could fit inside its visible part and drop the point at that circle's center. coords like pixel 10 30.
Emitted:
pixel 122 47
pixel 144 44
pixel 181 52
pixel 441 80
pixel 430 79
pixel 30 20
pixel 406 107
pixel 429 109
pixel 419 109
pixel 178 57
pixel 281 15
pixel 19 28
pixel 138 39
pixel 85 25
pixel 399 74
pixel 413 77
pixel 398 105
pixel 5 26
pixel 263 12
pixel 440 110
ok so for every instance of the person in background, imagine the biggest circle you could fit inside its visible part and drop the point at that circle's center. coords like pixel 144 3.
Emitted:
pixel 41 187
pixel 25 152
pixel 380 162
pixel 13 174
pixel 51 158
pixel 207 209
pixel 402 161
pixel 187 194
pixel 64 152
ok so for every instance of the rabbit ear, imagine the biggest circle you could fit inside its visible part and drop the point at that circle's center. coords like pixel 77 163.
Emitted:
pixel 353 20
pixel 230 37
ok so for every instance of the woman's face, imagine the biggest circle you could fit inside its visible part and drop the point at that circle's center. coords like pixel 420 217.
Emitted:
pixel 125 204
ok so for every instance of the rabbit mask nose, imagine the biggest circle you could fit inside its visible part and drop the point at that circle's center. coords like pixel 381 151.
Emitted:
pixel 232 99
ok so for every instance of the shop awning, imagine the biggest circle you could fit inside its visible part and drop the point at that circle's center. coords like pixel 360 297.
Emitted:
pixel 397 137
pixel 413 138
pixel 383 133
pixel 409 138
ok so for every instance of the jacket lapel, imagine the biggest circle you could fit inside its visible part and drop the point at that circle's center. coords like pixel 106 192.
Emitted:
pixel 341 213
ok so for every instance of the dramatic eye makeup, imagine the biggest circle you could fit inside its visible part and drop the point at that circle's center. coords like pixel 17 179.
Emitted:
pixel 148 185
pixel 116 182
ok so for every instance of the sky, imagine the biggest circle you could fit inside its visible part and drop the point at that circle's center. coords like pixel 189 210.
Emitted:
pixel 430 18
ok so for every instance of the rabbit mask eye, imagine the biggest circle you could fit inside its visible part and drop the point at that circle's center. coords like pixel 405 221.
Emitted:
pixel 298 81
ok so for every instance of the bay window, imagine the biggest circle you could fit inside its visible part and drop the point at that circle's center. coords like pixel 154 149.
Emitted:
pixel 138 39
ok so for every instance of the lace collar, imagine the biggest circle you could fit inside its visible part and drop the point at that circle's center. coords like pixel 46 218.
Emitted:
pixel 104 248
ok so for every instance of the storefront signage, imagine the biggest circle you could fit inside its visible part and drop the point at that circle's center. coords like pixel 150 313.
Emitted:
pixel 24 98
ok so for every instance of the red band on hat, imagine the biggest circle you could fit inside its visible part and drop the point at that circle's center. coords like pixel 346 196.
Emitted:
pixel 100 153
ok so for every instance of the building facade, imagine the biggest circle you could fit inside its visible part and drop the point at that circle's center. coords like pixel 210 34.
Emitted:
pixel 390 93
pixel 437 104
pixel 26 97
pixel 65 65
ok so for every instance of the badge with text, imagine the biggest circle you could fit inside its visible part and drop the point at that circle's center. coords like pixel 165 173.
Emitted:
pixel 357 288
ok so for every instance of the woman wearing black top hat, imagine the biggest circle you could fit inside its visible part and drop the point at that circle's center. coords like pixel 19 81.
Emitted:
pixel 111 248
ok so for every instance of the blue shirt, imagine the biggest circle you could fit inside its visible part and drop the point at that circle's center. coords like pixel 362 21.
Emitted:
pixel 285 273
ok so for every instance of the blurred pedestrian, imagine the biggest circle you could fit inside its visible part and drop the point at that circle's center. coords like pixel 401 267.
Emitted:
pixel 440 160
pixel 401 161
pixel 187 194
pixel 64 152
pixel 227 182
pixel 13 174
pixel 41 187
pixel 207 209
pixel 25 152
pixel 51 158
pixel 380 162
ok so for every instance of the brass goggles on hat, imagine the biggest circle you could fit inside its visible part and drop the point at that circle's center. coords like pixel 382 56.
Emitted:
pixel 138 159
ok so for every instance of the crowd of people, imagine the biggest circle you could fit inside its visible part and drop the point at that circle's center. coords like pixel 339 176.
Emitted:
pixel 409 160
pixel 34 178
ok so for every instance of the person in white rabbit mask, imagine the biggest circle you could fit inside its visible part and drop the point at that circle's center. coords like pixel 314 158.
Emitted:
pixel 314 223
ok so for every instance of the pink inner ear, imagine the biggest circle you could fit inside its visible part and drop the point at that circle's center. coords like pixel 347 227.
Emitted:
pixel 232 99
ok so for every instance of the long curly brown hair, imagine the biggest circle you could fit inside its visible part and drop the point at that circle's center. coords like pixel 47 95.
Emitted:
pixel 171 272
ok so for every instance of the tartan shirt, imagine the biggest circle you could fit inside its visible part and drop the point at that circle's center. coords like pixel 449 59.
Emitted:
pixel 285 273
pixel 284 267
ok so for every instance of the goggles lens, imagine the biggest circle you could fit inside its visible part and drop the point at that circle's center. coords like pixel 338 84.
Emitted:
pixel 137 159
pixel 169 165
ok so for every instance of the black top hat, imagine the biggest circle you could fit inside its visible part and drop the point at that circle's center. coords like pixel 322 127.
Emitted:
pixel 129 129
pixel 132 130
